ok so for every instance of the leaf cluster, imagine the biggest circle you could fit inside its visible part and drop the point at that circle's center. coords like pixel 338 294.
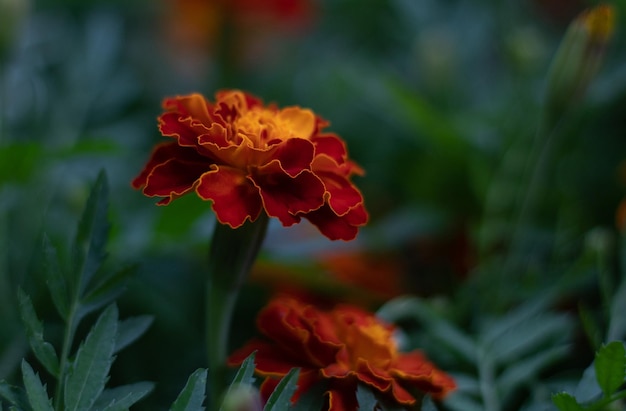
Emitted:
pixel 496 362
pixel 80 376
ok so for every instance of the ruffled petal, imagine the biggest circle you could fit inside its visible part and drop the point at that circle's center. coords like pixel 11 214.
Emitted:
pixel 235 199
pixel 285 197
pixel 337 227
pixel 171 172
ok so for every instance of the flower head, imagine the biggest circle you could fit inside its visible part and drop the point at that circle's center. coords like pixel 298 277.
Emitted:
pixel 248 158
pixel 343 347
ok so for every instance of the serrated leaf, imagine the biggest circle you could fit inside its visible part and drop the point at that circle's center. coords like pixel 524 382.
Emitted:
pixel 89 372
pixel 43 350
pixel 88 251
pixel 55 279
pixel 280 399
pixel 610 366
pixel 365 398
pixel 123 397
pixel 193 394
pixel 35 390
pixel 130 329
pixel 244 374
pixel 105 292
pixel 565 402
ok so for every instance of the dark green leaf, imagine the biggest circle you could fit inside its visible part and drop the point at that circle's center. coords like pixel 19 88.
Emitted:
pixel 35 390
pixel 130 329
pixel 122 398
pixel 244 375
pixel 12 394
pixel 18 161
pixel 43 350
pixel 88 251
pixel 365 398
pixel 438 327
pixel 106 291
pixel 590 326
pixel 55 279
pixel 89 371
pixel 610 366
pixel 280 399
pixel 192 396
pixel 565 402
pixel 518 373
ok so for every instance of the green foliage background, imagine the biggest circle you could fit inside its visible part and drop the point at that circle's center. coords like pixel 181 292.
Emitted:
pixel 439 101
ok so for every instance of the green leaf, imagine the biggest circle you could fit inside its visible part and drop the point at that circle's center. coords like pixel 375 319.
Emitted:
pixel 565 402
pixel 438 327
pixel 520 372
pixel 130 329
pixel 55 279
pixel 123 397
pixel 610 366
pixel 88 374
pixel 35 390
pixel 244 375
pixel 43 350
pixel 14 395
pixel 88 251
pixel 280 399
pixel 192 396
pixel 105 292
pixel 365 398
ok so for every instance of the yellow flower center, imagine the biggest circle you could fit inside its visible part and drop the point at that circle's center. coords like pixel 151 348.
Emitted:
pixel 260 126
pixel 371 342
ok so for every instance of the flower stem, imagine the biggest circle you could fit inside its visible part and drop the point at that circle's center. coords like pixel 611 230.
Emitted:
pixel 231 255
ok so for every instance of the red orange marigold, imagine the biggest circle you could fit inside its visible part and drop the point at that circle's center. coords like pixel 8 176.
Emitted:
pixel 344 346
pixel 248 158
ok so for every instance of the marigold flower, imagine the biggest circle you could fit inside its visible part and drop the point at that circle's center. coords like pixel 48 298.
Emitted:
pixel 343 347
pixel 248 158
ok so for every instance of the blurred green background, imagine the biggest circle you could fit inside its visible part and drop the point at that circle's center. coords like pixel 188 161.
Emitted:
pixel 438 101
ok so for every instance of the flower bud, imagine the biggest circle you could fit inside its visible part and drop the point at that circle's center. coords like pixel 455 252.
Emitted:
pixel 578 58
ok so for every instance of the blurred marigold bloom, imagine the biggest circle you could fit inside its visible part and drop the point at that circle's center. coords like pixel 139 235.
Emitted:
pixel 248 158
pixel 342 347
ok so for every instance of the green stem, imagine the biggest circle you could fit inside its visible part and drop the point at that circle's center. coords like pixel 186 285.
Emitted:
pixel 68 338
pixel 231 255
pixel 486 374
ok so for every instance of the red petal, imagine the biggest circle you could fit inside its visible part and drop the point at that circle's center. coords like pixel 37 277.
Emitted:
pixel 335 227
pixel 294 155
pixel 300 330
pixel 330 145
pixel 173 177
pixel 234 197
pixel 284 197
